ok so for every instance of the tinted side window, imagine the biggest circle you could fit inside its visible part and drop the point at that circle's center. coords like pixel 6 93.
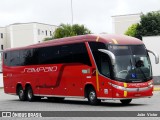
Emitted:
pixel 48 55
pixel 97 45
pixel 24 54
pixel 104 64
pixel 94 47
pixel 14 58
pixel 71 53
pixel 102 60
pixel 21 58
pixel 28 57
pixel 6 58
pixel 80 54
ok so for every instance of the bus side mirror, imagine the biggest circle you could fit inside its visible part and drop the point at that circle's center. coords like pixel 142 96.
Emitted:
pixel 156 56
pixel 110 54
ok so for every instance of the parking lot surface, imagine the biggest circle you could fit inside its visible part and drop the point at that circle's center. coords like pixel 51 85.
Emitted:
pixel 12 103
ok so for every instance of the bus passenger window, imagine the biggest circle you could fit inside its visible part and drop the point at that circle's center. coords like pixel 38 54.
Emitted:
pixel 104 65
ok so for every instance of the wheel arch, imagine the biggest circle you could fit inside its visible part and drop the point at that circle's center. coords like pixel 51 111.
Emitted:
pixel 17 86
pixel 86 88
pixel 27 85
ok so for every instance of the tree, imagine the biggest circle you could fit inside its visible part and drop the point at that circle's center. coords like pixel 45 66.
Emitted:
pixel 66 30
pixel 48 38
pixel 132 30
pixel 149 25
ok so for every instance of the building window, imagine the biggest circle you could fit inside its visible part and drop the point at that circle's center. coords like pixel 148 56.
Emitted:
pixel 46 32
pixel 1 35
pixel 42 32
pixel 39 32
pixel 50 33
pixel 1 47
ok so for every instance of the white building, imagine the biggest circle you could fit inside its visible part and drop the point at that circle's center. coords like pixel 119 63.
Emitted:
pixel 2 45
pixel 23 34
pixel 121 23
pixel 2 38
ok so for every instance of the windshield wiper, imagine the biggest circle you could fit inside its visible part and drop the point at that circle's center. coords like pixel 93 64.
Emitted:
pixel 139 67
pixel 145 78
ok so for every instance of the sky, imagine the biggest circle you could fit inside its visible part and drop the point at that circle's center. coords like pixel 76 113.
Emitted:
pixel 93 14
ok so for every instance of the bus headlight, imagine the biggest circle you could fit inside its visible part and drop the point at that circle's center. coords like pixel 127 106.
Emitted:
pixel 150 84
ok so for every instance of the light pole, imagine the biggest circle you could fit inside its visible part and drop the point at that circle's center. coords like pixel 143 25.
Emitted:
pixel 71 12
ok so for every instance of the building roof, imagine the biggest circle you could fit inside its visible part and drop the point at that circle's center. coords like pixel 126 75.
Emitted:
pixel 32 23
pixel 127 15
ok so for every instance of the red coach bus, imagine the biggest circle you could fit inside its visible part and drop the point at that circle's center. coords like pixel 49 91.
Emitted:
pixel 95 67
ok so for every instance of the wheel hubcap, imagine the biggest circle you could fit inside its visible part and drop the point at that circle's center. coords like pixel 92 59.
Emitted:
pixel 21 93
pixel 29 94
pixel 92 96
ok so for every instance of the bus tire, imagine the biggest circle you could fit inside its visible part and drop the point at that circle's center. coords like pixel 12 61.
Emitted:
pixel 30 95
pixel 126 101
pixel 21 94
pixel 92 96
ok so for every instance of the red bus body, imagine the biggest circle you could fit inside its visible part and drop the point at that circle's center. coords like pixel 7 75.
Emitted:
pixel 73 79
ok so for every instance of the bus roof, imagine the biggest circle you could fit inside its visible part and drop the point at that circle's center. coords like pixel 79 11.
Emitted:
pixel 106 38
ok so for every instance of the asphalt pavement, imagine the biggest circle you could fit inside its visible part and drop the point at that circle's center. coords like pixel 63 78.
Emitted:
pixel 12 103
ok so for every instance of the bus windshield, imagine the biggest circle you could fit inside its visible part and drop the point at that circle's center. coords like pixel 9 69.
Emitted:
pixel 132 63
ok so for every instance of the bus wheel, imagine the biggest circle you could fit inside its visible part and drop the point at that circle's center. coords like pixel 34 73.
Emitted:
pixel 21 94
pixel 126 102
pixel 92 97
pixel 30 95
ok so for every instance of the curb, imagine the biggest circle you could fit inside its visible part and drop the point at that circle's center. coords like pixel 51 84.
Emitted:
pixel 156 89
